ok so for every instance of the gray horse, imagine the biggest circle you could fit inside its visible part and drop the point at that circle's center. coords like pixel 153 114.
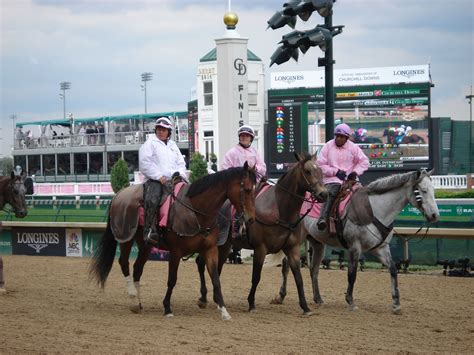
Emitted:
pixel 387 197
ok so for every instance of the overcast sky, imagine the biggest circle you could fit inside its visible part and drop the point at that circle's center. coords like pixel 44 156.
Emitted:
pixel 102 47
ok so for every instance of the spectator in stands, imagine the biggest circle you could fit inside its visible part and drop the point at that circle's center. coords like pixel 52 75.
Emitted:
pixel 159 159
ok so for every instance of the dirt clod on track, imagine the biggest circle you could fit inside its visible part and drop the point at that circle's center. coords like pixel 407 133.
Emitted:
pixel 50 306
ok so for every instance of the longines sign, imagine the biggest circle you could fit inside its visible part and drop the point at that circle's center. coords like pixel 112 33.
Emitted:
pixel 38 241
pixel 351 77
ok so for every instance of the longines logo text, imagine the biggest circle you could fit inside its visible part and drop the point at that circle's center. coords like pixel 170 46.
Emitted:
pixel 408 73
pixel 37 240
pixel 289 78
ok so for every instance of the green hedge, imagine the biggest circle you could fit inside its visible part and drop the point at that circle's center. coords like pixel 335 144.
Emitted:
pixel 454 194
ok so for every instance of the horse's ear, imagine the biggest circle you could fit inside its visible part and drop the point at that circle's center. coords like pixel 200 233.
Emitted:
pixel 298 157
pixel 12 175
pixel 246 166
pixel 430 172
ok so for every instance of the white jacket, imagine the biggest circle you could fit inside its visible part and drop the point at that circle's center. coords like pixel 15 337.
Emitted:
pixel 158 159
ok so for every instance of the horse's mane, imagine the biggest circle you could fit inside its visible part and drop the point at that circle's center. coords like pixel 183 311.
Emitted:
pixel 205 182
pixel 389 183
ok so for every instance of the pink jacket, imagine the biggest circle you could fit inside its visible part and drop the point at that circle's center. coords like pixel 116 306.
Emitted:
pixel 238 155
pixel 348 158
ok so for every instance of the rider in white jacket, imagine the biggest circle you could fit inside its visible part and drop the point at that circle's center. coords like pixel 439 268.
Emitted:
pixel 159 160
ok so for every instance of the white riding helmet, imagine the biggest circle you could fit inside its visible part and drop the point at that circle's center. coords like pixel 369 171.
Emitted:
pixel 164 122
pixel 246 129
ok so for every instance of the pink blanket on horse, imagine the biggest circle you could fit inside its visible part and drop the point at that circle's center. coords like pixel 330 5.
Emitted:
pixel 164 209
pixel 316 208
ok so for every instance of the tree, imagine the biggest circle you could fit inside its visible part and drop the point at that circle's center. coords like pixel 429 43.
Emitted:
pixel 198 167
pixel 6 166
pixel 119 175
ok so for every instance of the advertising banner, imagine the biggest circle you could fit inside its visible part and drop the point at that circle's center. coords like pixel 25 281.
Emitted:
pixel 74 242
pixel 38 241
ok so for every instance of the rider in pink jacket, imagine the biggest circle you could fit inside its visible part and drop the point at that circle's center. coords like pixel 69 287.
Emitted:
pixel 339 159
pixel 244 152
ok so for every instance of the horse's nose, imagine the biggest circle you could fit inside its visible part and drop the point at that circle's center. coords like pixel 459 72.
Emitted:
pixel 21 214
pixel 434 217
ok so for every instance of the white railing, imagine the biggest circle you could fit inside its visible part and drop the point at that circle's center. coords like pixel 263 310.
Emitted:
pixel 449 181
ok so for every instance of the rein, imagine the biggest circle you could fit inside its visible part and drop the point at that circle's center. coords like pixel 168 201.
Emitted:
pixel 207 230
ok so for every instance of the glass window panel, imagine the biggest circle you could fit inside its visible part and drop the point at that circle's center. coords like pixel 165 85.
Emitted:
pixel 64 164
pixel 49 164
pixel 96 163
pixel 80 163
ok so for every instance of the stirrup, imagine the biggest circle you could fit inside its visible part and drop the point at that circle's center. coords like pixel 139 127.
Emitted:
pixel 152 237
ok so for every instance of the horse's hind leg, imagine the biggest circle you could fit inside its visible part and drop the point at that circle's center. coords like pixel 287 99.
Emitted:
pixel 318 250
pixel 201 265
pixel 385 258
pixel 125 249
pixel 142 257
pixel 354 254
pixel 284 278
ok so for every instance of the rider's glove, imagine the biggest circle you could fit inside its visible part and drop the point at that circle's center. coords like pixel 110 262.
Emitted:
pixel 341 174
pixel 352 176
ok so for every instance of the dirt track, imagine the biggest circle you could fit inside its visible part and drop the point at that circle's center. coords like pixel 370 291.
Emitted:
pixel 51 307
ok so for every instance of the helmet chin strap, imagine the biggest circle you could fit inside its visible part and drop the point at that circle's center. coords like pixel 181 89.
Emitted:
pixel 245 145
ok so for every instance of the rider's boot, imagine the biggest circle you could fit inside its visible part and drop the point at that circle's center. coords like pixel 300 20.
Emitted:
pixel 152 195
pixel 333 190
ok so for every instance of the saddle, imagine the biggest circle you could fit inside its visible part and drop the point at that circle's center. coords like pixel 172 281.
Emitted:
pixel 358 211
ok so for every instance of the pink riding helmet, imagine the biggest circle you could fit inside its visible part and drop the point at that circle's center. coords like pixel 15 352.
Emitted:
pixel 343 129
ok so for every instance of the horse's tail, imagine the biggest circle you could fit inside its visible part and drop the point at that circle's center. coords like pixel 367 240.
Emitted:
pixel 103 258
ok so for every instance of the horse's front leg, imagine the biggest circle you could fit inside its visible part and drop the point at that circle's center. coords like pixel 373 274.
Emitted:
pixel 284 278
pixel 201 265
pixel 354 254
pixel 385 258
pixel 318 250
pixel 211 259
pixel 258 259
pixel 294 263
pixel 173 265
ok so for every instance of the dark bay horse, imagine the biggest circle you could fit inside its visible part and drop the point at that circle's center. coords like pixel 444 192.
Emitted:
pixel 192 228
pixel 12 192
pixel 387 197
pixel 277 226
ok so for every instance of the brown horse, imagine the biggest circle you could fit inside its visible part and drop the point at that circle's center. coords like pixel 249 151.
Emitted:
pixel 277 226
pixel 12 191
pixel 192 228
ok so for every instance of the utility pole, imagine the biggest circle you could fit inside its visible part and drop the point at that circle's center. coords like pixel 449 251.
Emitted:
pixel 64 85
pixel 146 77
pixel 471 150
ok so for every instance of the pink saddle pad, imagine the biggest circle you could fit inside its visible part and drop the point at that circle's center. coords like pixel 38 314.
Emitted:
pixel 164 209
pixel 316 208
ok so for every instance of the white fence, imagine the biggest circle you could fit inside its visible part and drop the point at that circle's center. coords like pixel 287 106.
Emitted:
pixel 104 188
pixel 446 182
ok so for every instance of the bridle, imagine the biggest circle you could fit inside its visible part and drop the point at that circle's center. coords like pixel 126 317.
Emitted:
pixel 207 230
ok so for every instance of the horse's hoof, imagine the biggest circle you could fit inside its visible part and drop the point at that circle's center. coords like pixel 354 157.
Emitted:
pixel 353 307
pixel 136 308
pixel 308 314
pixel 276 300
pixel 252 310
pixel 201 304
pixel 169 315
pixel 226 317
pixel 397 310
pixel 2 291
